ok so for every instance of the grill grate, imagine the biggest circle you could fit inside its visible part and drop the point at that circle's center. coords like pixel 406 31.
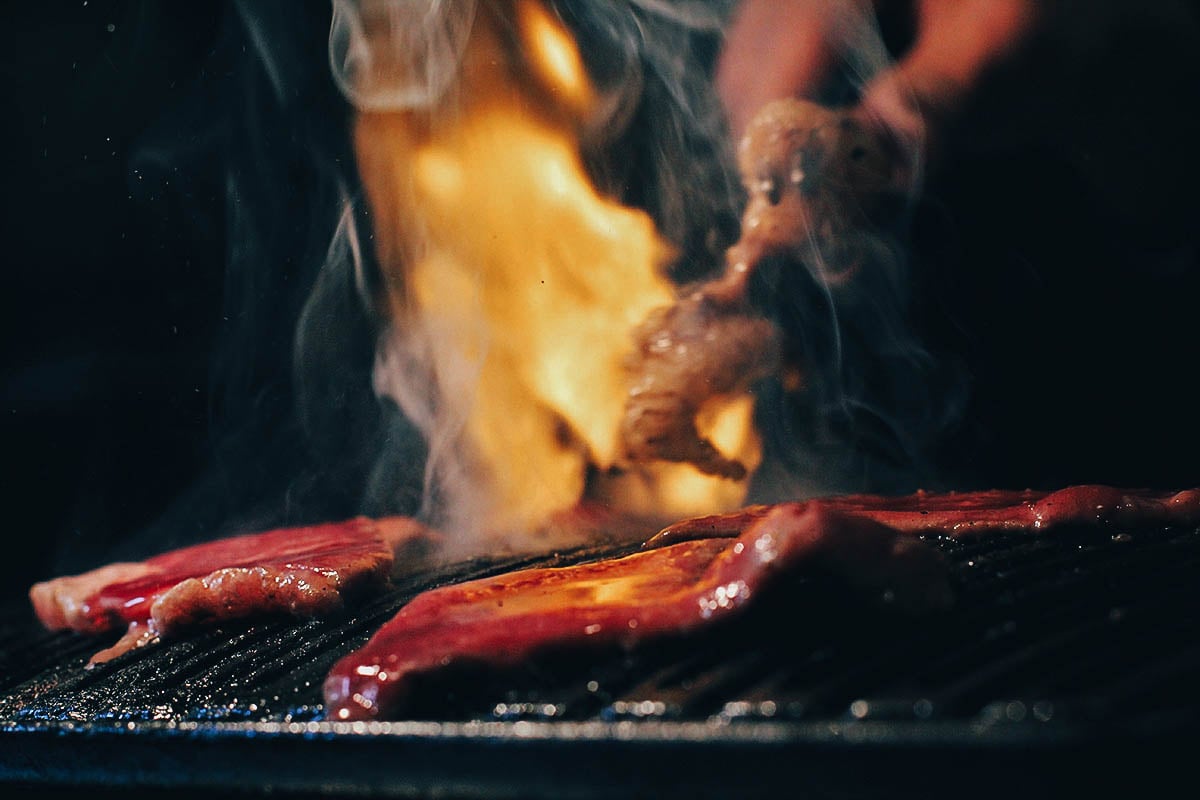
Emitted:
pixel 1083 636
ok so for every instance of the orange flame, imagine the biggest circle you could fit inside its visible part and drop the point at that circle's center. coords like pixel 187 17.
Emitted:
pixel 525 282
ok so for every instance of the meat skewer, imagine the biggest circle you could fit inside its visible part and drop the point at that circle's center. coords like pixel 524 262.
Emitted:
pixel 688 354
pixel 814 178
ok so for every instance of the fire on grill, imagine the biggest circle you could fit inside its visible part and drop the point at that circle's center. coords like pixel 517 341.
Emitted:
pixel 552 363
pixel 577 376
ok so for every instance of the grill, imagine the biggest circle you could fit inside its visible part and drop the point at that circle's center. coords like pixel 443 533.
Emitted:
pixel 1068 662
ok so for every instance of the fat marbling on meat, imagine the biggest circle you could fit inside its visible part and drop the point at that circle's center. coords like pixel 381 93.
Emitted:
pixel 300 571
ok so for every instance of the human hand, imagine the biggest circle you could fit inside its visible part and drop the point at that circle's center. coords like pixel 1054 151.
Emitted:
pixel 792 48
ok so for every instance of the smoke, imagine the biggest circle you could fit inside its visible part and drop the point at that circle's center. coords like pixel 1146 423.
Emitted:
pixel 411 63
pixel 650 138
pixel 655 138
pixel 874 399
pixel 254 152
pixel 324 407
pixel 375 425
pixel 327 405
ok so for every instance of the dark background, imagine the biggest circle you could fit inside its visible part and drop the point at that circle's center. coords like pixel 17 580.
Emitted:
pixel 112 277
pixel 171 178
pixel 1059 272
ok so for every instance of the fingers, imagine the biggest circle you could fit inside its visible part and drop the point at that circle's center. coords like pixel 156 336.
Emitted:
pixel 790 48
pixel 957 43
pixel 776 49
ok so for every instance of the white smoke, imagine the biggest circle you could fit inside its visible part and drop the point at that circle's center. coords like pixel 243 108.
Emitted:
pixel 412 64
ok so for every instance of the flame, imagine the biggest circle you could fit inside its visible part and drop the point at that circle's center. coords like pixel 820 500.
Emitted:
pixel 524 282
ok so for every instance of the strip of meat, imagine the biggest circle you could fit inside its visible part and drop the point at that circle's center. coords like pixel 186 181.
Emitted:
pixel 298 571
pixel 962 513
pixel 503 621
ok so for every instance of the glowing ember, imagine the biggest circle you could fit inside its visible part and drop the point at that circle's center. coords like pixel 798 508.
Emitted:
pixel 515 285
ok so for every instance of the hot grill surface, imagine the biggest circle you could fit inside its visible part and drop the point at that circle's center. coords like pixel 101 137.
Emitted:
pixel 1068 657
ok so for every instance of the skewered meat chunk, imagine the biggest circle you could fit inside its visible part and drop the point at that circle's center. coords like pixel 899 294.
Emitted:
pixel 296 571
pixel 814 176
pixel 503 621
pixel 687 354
